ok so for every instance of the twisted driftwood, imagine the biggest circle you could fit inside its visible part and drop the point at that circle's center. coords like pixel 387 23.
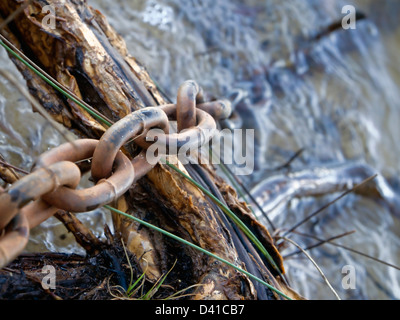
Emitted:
pixel 86 55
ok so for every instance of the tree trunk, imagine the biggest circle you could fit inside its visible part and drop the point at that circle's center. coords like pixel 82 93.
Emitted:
pixel 86 55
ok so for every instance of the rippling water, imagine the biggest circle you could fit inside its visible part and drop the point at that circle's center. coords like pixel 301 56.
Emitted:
pixel 336 96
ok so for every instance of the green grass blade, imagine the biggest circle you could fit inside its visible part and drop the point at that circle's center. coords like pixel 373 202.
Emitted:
pixel 54 85
pixel 149 225
pixel 157 285
pixel 231 215
pixel 133 286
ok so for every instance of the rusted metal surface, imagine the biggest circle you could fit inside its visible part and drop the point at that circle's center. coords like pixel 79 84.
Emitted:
pixel 14 239
pixel 105 191
pixel 53 182
pixel 194 136
pixel 37 212
pixel 120 133
pixel 219 110
pixel 86 55
pixel 35 185
pixel 186 105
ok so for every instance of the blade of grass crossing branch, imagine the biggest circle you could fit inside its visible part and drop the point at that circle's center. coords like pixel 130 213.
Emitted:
pixel 64 132
pixel 57 86
pixel 226 210
pixel 149 225
pixel 231 215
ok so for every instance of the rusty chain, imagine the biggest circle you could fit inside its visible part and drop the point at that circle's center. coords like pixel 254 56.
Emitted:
pixel 53 181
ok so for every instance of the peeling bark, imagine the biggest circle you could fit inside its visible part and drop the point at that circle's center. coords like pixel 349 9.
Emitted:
pixel 85 54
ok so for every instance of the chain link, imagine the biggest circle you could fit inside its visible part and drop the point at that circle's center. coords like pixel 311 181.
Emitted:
pixel 53 181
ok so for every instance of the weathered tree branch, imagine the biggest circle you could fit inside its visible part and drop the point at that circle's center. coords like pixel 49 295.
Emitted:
pixel 86 55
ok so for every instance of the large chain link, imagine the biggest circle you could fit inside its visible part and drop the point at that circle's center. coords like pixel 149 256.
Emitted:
pixel 53 181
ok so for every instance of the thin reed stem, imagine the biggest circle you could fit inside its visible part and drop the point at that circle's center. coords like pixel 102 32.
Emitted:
pixel 328 204
pixel 315 264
